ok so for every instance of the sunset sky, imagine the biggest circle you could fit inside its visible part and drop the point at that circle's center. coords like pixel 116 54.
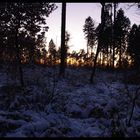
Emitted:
pixel 76 13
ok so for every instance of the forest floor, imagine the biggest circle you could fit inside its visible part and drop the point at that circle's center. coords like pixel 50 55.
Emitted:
pixel 49 106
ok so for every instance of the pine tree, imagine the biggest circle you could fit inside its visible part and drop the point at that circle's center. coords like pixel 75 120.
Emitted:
pixel 22 22
pixel 133 45
pixel 90 34
pixel 122 25
pixel 52 52
pixel 106 35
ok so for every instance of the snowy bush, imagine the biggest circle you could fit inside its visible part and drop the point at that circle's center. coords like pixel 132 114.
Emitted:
pixel 69 107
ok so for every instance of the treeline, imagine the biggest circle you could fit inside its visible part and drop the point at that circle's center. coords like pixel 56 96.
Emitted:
pixel 114 38
pixel 113 43
pixel 22 36
pixel 116 41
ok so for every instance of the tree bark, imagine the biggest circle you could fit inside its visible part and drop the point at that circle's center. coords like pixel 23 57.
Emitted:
pixel 63 47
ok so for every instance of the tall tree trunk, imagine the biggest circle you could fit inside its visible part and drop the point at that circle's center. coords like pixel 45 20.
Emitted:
pixel 20 68
pixel 87 49
pixel 91 50
pixel 99 42
pixel 63 47
pixel 100 59
pixel 95 63
pixel 115 6
pixel 18 56
pixel 107 57
pixel 112 36
pixel 110 62
pixel 120 55
pixel 31 55
pixel 103 60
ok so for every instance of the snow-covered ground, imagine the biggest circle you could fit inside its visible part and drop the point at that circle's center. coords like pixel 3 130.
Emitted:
pixel 49 106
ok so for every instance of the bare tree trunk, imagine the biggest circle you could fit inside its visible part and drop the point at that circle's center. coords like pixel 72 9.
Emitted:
pixel 107 57
pixel 99 42
pixel 100 59
pixel 94 66
pixel 20 68
pixel 18 58
pixel 115 6
pixel 113 65
pixel 63 47
pixel 103 59
pixel 87 50
pixel 31 56
pixel 110 60
pixel 111 45
pixel 120 55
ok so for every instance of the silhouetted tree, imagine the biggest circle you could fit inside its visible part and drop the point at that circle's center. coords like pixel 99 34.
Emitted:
pixel 133 45
pixel 75 57
pixel 90 35
pixel 52 52
pixel 40 52
pixel 63 47
pixel 115 5
pixel 122 29
pixel 23 22
pixel 67 39
pixel 106 35
pixel 58 53
pixel 82 55
pixel 100 39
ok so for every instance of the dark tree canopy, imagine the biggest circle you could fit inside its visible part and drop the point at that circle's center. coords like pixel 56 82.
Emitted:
pixel 133 45
pixel 122 26
pixel 24 20
pixel 20 26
